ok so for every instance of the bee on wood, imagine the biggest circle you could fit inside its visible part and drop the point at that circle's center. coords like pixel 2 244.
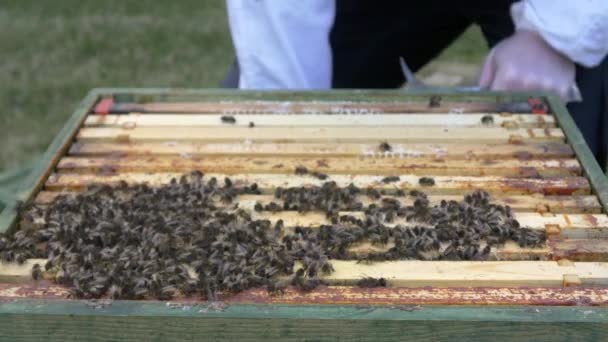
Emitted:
pixel 319 175
pixel 355 206
pixel 36 272
pixel 243 214
pixel 373 193
pixel 426 181
pixel 417 194
pixel 352 189
pixel 470 252
pixel 227 197
pixel 196 174
pixel 277 287
pixel 166 293
pixel 492 240
pixel 450 253
pixel 399 193
pixel 485 252
pixel 350 219
pixel 390 203
pixel 389 216
pixel 20 258
pixel 487 120
pixel 228 119
pixel 369 282
pixel 303 284
pixel 258 206
pixel 385 147
pixel 183 180
pixel 310 284
pixel 527 237
pixel 435 101
pixel 390 179
pixel 48 265
pixel 251 124
pixel 115 291
pixel 301 170
pixel 273 207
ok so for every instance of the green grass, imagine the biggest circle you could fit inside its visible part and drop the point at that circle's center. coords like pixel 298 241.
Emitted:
pixel 53 52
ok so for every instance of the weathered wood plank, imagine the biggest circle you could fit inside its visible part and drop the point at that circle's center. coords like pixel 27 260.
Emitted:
pixel 579 249
pixel 329 165
pixel 519 203
pixel 321 134
pixel 509 251
pixel 268 182
pixel 468 273
pixel 349 295
pixel 507 120
pixel 445 151
pixel 394 296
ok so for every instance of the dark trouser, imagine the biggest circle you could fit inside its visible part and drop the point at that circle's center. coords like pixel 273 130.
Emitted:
pixel 368 37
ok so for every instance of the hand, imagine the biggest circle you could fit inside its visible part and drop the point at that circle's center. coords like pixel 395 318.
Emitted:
pixel 525 61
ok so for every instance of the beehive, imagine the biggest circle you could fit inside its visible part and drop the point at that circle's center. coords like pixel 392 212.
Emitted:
pixel 523 149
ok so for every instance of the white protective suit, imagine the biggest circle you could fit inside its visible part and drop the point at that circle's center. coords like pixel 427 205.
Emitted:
pixel 284 44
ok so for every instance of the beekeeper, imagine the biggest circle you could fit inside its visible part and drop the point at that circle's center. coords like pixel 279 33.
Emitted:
pixel 535 45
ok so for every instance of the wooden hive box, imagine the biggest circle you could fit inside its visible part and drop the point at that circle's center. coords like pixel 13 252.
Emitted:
pixel 524 149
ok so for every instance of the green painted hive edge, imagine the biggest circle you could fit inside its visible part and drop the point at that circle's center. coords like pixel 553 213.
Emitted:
pixel 26 320
pixel 136 329
pixel 478 313
pixel 591 168
pixel 41 170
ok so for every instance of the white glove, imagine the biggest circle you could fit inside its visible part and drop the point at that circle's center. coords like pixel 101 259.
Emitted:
pixel 525 61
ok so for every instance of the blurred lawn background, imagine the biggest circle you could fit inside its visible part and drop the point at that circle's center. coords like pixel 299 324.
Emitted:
pixel 53 52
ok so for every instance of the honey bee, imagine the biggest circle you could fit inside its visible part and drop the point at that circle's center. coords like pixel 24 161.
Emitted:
pixel 435 101
pixel 228 119
pixel 36 272
pixel 426 181
pixel 390 179
pixel 487 120
pixel 301 170
pixel 369 282
pixel 385 147
pixel 319 175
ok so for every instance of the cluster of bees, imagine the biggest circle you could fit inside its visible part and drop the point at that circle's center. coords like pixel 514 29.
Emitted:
pixel 451 230
pixel 190 237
